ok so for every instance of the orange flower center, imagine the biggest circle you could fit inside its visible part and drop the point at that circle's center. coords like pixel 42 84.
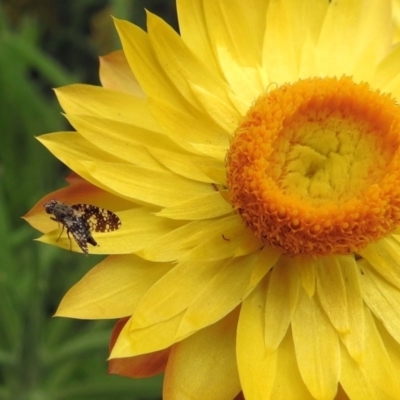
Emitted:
pixel 314 167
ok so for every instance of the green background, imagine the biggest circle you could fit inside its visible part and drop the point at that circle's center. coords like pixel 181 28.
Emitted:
pixel 46 44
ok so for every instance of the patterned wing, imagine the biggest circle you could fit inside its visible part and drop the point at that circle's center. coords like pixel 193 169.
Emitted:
pixel 98 219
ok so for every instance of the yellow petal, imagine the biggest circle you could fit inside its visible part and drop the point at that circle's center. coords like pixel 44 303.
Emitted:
pixel 288 24
pixel 162 188
pixel 386 75
pixel 211 353
pixel 116 74
pixel 239 278
pixel 317 348
pixel 184 237
pixel 124 141
pixel 224 115
pixel 236 241
pixel 392 347
pixel 185 164
pixel 112 289
pixel 143 62
pixel 308 60
pixel 332 292
pixel 383 300
pixel 217 152
pixel 383 256
pixel 348 43
pixel 99 102
pixel 354 340
pixel 188 283
pixel 282 65
pixel 71 149
pixel 156 337
pixel 181 65
pixel 306 267
pixel 105 242
pixel 130 143
pixel 371 48
pixel 128 180
pixel 288 383
pixel 173 293
pixel 216 172
pixel 159 88
pixel 267 259
pixel 207 240
pixel 206 206
pixel 240 68
pixel 222 242
pixel 373 377
pixel 188 126
pixel 194 31
pixel 257 367
pixel 245 80
pixel 281 299
pixel 244 37
pixel 142 227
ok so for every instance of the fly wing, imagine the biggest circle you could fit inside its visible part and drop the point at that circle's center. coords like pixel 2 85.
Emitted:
pixel 79 230
pixel 98 219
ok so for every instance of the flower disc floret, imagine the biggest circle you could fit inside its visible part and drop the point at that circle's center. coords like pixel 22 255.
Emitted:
pixel 313 168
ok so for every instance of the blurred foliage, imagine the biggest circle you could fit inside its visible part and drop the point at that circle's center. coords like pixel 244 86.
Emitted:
pixel 45 44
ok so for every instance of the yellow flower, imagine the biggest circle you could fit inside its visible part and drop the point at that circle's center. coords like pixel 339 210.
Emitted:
pixel 254 161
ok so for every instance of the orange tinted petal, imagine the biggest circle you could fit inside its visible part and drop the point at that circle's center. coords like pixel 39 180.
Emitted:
pixel 116 74
pixel 142 366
